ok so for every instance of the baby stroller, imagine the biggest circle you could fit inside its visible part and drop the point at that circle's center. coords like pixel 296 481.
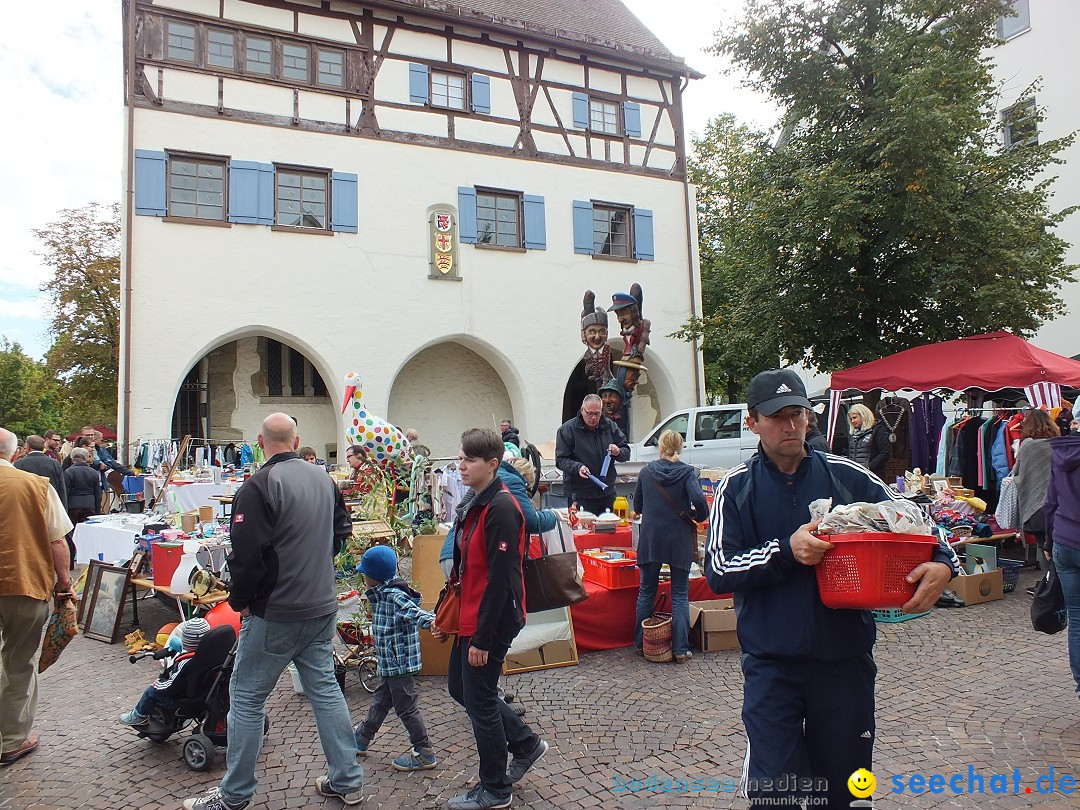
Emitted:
pixel 201 692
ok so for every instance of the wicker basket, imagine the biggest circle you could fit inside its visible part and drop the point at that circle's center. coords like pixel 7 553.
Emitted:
pixel 656 638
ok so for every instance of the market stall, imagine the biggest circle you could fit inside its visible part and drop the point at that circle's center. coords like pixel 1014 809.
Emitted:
pixel 106 538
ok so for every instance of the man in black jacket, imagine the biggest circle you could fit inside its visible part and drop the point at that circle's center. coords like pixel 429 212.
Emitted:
pixel 38 463
pixel 289 521
pixel 580 447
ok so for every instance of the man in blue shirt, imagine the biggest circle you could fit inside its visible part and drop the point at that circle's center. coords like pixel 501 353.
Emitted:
pixel 808 698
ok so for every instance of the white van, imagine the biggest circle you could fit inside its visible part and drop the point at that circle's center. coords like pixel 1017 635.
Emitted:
pixel 716 436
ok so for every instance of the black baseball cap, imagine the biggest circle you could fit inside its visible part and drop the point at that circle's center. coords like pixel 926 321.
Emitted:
pixel 772 390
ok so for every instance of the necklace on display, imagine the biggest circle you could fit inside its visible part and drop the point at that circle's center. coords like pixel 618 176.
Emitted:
pixel 884 414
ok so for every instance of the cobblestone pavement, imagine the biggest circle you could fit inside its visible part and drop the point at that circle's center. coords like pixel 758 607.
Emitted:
pixel 961 687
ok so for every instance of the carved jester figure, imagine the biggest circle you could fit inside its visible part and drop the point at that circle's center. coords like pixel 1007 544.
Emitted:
pixel 594 334
pixel 635 334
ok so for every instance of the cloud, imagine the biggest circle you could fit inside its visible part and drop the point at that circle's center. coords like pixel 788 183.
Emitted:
pixel 30 309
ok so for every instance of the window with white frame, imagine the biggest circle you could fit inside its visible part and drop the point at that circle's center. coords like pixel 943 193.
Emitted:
pixel 448 90
pixel 1021 124
pixel 603 116
pixel 181 41
pixel 196 187
pixel 1011 26
pixel 302 200
pixel 221 49
pixel 611 230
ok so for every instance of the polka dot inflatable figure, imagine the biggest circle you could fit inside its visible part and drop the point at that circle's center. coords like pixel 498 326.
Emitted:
pixel 384 442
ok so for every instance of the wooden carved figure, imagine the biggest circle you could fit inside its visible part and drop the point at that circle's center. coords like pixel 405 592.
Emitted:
pixel 594 334
pixel 635 334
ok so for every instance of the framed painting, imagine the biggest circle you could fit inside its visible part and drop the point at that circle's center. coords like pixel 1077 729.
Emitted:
pixel 85 588
pixel 106 607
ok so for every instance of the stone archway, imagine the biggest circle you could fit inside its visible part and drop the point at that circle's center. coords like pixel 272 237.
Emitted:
pixel 442 391
pixel 225 394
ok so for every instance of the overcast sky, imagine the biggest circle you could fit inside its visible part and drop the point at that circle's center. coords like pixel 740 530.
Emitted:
pixel 63 71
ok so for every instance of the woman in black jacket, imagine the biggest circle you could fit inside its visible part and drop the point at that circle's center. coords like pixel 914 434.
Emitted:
pixel 668 490
pixel 868 443
pixel 83 490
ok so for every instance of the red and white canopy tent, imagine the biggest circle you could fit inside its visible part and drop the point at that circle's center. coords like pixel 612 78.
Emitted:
pixel 987 362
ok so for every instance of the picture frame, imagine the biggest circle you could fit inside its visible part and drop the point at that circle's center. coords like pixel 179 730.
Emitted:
pixel 940 485
pixel 88 582
pixel 138 563
pixel 107 601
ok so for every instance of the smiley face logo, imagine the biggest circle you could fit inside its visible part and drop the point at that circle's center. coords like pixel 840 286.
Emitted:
pixel 861 783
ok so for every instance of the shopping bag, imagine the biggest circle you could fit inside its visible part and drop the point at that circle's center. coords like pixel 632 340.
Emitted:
pixel 1048 604
pixel 61 628
pixel 1008 508
pixel 552 580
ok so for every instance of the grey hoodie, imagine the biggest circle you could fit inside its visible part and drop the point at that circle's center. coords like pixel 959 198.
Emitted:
pixel 1063 493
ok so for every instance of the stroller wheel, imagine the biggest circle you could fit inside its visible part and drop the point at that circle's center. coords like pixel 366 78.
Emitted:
pixel 369 675
pixel 199 752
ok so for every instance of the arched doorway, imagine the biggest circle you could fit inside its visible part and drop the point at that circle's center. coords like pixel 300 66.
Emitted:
pixel 443 391
pixel 645 405
pixel 227 393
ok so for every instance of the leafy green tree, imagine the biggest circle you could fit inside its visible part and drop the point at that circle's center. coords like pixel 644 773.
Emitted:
pixel 28 395
pixel 890 214
pixel 729 167
pixel 83 248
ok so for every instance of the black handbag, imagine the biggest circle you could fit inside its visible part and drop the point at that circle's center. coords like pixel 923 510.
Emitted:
pixel 1048 604
pixel 552 580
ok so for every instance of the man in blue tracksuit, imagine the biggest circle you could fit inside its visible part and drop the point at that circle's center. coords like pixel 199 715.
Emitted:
pixel 808 698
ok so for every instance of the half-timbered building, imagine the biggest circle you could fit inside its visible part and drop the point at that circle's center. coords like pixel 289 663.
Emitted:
pixel 414 190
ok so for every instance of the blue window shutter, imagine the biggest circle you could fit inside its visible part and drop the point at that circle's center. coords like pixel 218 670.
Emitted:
pixel 251 192
pixel 481 93
pixel 583 241
pixel 632 118
pixel 418 83
pixel 581 111
pixel 643 235
pixel 150 183
pixel 535 224
pixel 466 202
pixel 343 202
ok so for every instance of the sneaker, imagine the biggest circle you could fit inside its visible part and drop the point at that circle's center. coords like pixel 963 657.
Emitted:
pixel 322 785
pixel 212 801
pixel 422 759
pixel 508 696
pixel 133 718
pixel 361 743
pixel 683 658
pixel 479 798
pixel 518 709
pixel 520 765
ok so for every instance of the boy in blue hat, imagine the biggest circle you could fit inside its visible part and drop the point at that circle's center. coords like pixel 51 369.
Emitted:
pixel 396 615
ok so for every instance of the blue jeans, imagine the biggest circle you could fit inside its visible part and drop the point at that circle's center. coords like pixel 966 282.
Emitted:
pixel 680 605
pixel 264 650
pixel 1067 563
pixel 153 698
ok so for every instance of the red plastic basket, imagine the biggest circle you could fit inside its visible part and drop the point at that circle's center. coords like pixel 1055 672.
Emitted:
pixel 868 570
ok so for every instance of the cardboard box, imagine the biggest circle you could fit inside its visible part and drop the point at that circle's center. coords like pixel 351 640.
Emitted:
pixel 975 589
pixel 427 573
pixel 713 625
pixel 434 655
pixel 552 654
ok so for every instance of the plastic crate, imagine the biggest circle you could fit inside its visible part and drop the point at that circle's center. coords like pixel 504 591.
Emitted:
pixel 612 574
pixel 894 615
pixel 1010 574
pixel 868 570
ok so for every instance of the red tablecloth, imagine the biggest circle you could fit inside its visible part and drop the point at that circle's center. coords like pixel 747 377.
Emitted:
pixel 605 621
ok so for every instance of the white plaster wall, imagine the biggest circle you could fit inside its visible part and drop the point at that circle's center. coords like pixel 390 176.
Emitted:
pixel 503 101
pixel 1048 51
pixel 363 302
pixel 442 392
pixel 424 46
pixel 605 80
pixel 564 72
pixel 419 121
pixel 480 56
pixel 316 419
pixel 543 114
pixel 254 97
pixel 207 7
pixel 195 88
pixel 323 107
pixel 392 83
pixel 277 18
pixel 485 132
pixel 645 89
pixel 326 28
pixel 661 159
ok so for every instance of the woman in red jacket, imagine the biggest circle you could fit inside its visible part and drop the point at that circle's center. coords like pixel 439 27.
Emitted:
pixel 490 544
